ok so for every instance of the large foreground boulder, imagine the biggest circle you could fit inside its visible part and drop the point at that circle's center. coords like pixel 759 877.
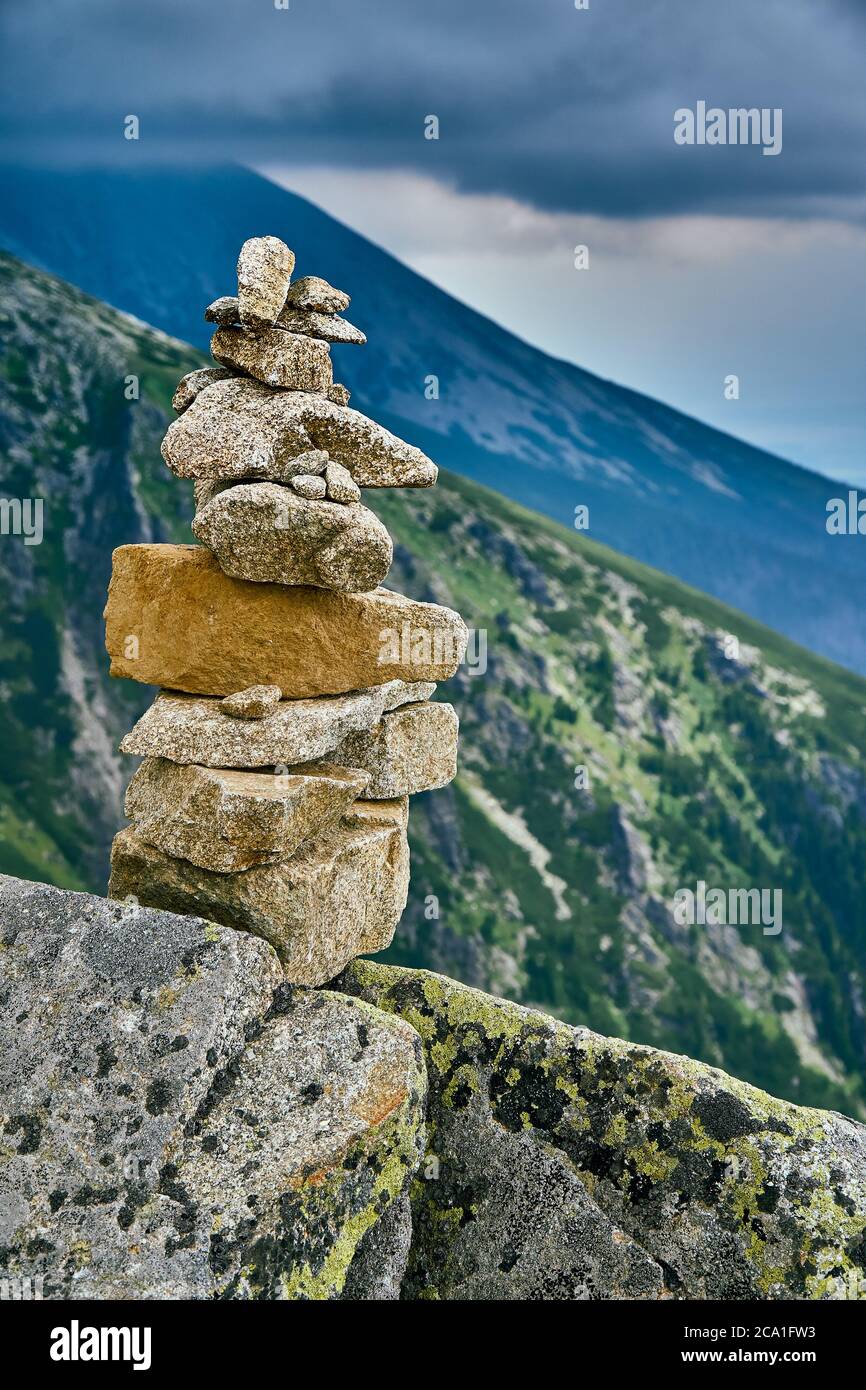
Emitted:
pixel 564 1165
pixel 179 1123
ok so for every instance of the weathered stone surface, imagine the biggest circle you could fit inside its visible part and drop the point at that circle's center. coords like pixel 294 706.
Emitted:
pixel 314 1144
pixel 240 429
pixel 264 533
pixel 265 267
pixel 328 327
pixel 116 1022
pixel 339 483
pixel 227 820
pixel 379 1265
pixel 190 385
pixel 256 702
pixel 312 293
pixel 576 1166
pixel 305 465
pixel 174 619
pixel 309 485
pixel 413 749
pixel 340 395
pixel 150 1150
pixel 276 357
pixel 224 311
pixel 338 897
pixel 194 729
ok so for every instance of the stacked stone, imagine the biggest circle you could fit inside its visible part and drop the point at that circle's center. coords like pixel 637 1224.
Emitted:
pixel 294 718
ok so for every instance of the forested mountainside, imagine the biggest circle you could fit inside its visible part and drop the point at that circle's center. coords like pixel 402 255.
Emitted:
pixel 616 745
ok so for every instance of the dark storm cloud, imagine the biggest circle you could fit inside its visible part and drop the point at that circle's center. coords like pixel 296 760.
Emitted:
pixel 569 110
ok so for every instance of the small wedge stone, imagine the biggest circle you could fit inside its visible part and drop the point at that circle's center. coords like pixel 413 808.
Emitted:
pixel 328 327
pixel 224 311
pixel 227 821
pixel 339 483
pixel 256 702
pixel 195 729
pixel 340 395
pixel 189 386
pixel 265 267
pixel 338 897
pixel 174 619
pixel 239 429
pixel 312 293
pixel 413 749
pixel 275 357
pixel 309 485
pixel 264 533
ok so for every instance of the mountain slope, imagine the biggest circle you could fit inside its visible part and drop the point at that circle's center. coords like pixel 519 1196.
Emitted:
pixel 741 770
pixel 732 520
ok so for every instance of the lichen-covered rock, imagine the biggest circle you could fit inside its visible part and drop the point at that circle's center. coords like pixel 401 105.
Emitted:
pixel 174 619
pixel 315 295
pixel 256 702
pixel 228 820
pixel 195 729
pixel 410 750
pixel 338 897
pixel 265 266
pixel 567 1165
pixel 312 1143
pixel 178 1123
pixel 275 357
pixel 241 429
pixel 117 1020
pixel 264 533
pixel 189 386
pixel 328 327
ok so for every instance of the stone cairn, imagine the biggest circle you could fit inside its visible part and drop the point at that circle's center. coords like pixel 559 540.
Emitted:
pixel 294 718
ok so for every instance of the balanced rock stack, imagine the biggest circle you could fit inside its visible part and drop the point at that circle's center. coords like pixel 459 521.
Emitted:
pixel 294 719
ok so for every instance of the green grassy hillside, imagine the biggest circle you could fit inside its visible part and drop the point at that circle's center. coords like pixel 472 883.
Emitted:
pixel 617 747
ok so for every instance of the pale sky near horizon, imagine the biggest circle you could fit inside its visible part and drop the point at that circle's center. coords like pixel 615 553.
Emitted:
pixel 556 129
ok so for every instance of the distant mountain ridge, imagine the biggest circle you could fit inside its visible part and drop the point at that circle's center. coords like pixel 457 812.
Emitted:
pixel 730 519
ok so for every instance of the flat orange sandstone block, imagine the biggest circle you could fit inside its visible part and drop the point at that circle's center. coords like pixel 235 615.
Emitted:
pixel 174 619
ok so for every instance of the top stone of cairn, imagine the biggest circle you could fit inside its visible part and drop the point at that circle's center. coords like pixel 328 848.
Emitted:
pixel 265 267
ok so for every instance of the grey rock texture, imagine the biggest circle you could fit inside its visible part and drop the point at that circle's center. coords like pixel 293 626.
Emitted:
pixel 241 429
pixel 178 1122
pixel 565 1165
pixel 224 311
pixel 309 485
pixel 379 1266
pixel 195 729
pixel 276 357
pixel 226 820
pixel 256 702
pixel 315 295
pixel 265 266
pixel 339 483
pixel 116 1022
pixel 328 327
pixel 189 386
pixel 338 897
pixel 264 533
pixel 410 750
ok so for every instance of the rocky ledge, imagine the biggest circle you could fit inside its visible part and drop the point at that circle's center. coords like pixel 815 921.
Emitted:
pixel 180 1123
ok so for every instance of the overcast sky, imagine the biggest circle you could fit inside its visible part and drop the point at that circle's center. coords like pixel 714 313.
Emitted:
pixel 556 129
